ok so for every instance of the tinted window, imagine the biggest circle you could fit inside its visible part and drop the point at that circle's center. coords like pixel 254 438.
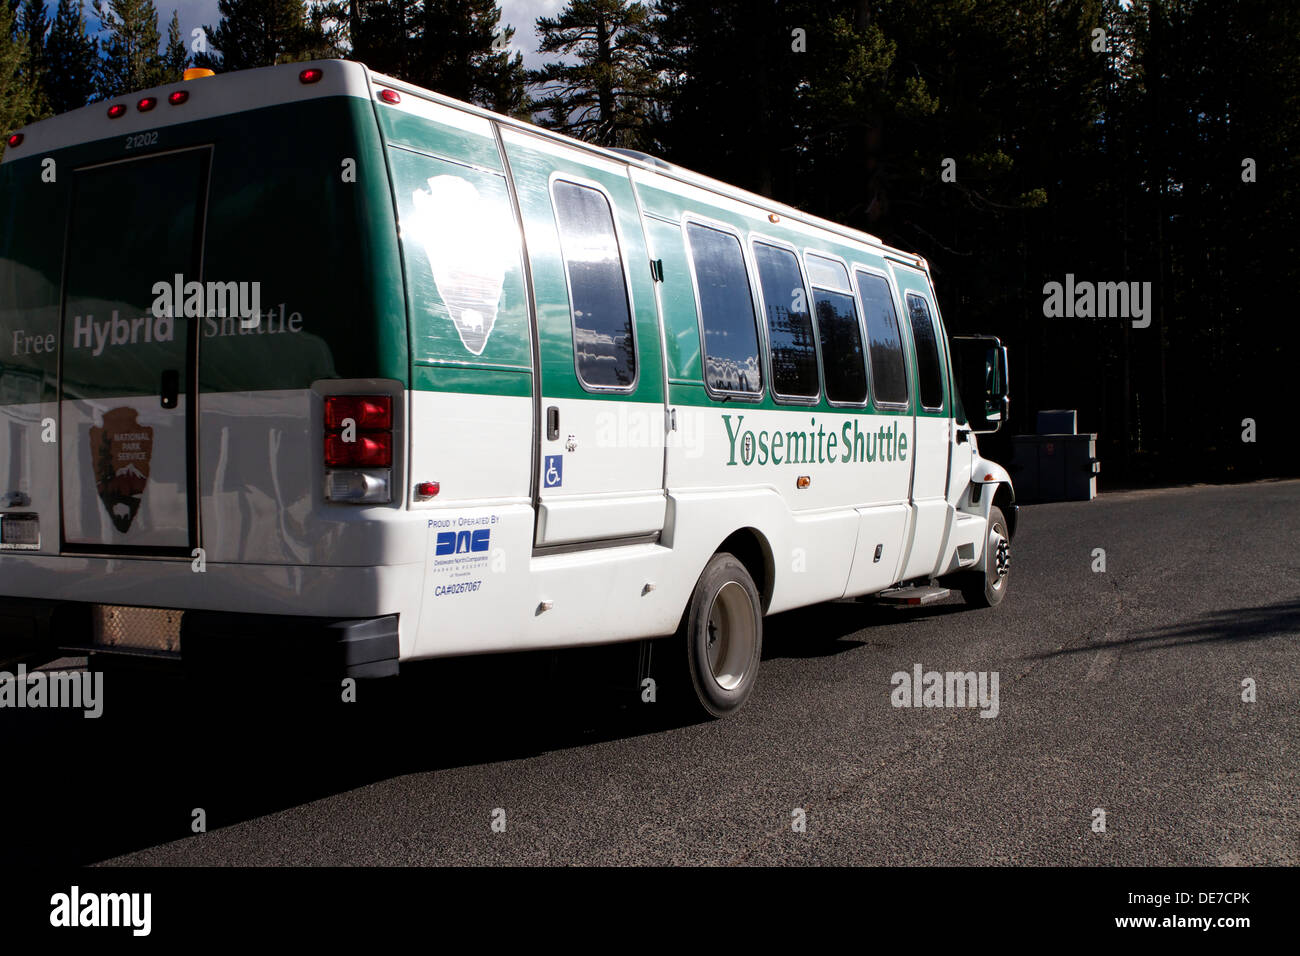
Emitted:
pixel 928 370
pixel 602 319
pixel 885 344
pixel 827 272
pixel 789 323
pixel 726 311
pixel 837 324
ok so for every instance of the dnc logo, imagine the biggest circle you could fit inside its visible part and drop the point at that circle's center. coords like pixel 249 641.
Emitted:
pixel 463 542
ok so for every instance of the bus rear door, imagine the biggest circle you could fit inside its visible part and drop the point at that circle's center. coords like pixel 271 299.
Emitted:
pixel 126 399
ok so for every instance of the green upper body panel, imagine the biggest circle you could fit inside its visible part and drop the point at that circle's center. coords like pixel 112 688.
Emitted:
pixel 666 210
pixel 534 170
pixel 297 201
pixel 377 246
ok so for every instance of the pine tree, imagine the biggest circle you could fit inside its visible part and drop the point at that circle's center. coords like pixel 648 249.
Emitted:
pixel 130 44
pixel 33 25
pixel 175 55
pixel 607 96
pixel 253 33
pixel 461 49
pixel 504 81
pixel 382 34
pixel 15 88
pixel 72 59
pixel 734 73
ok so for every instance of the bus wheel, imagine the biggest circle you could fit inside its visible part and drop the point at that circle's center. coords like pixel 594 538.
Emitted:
pixel 987 587
pixel 723 636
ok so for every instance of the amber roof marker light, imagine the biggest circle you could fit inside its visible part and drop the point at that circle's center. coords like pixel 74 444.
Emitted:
pixel 197 73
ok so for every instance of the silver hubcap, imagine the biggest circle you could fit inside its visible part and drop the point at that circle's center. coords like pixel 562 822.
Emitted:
pixel 1000 549
pixel 731 635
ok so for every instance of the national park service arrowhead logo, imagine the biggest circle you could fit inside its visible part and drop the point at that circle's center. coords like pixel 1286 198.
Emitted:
pixel 466 237
pixel 119 451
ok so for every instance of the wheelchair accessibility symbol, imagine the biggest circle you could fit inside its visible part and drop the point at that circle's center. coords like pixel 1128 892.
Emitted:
pixel 553 473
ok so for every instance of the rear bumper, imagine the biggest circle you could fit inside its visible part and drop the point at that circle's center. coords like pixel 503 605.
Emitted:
pixel 212 641
pixel 282 591
pixel 315 647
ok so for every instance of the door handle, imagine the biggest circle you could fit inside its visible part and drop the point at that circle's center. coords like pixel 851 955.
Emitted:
pixel 552 423
pixel 963 435
pixel 171 387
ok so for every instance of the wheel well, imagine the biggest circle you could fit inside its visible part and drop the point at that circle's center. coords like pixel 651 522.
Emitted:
pixel 1004 498
pixel 751 550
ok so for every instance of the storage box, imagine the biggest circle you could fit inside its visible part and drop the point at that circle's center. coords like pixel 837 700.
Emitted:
pixel 1054 467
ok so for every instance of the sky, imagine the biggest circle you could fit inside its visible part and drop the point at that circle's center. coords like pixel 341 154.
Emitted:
pixel 521 14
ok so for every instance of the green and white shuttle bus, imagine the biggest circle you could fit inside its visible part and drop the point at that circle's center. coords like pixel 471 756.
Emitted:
pixel 310 364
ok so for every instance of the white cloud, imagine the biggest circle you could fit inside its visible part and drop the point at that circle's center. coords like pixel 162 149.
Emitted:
pixel 522 15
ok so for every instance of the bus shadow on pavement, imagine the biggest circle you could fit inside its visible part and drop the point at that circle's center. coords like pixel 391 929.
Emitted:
pixel 245 744
pixel 819 631
pixel 1219 626
pixel 1236 624
pixel 248 744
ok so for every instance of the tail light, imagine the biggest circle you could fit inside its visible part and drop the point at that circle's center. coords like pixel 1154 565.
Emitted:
pixel 366 450
pixel 358 448
pixel 369 412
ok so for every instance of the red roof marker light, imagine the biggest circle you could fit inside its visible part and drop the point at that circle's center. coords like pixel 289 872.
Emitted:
pixel 179 97
pixel 312 75
pixel 116 110
pixel 14 139
pixel 390 96
pixel 146 104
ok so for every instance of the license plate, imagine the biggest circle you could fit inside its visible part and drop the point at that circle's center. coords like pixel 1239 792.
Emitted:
pixel 136 628
pixel 20 532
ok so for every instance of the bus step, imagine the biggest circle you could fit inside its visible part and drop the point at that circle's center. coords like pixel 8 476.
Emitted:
pixel 913 596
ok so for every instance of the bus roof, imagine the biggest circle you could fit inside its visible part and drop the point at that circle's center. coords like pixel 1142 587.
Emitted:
pixel 662 168
pixel 274 85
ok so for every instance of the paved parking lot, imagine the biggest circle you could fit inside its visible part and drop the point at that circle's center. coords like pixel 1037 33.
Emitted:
pixel 1119 691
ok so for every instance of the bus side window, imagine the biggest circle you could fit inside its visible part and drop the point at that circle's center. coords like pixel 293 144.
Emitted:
pixel 888 369
pixel 731 361
pixel 841 335
pixel 603 344
pixel 928 367
pixel 789 323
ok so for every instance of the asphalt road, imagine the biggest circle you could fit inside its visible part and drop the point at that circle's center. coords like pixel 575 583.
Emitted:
pixel 1119 690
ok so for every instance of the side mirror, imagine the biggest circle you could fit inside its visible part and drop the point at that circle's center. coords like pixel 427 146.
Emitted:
pixel 980 368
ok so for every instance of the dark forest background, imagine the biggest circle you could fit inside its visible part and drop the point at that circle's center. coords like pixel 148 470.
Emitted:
pixel 1010 142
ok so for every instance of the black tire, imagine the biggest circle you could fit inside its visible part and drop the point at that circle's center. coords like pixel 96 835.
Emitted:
pixel 988 586
pixel 721 636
